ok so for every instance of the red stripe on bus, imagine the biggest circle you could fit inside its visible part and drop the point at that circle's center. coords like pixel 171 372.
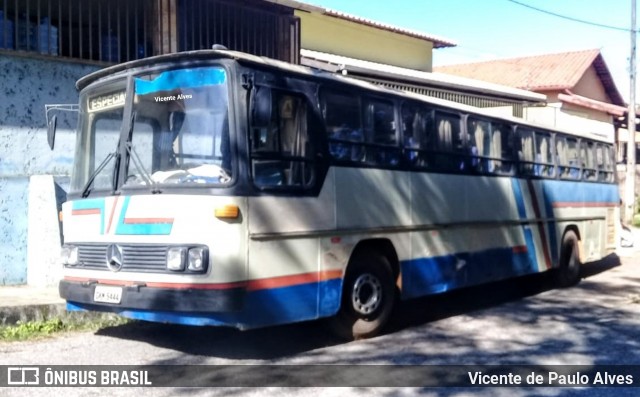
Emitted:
pixel 520 249
pixel 89 211
pixel 237 284
pixel 296 279
pixel 147 221
pixel 251 285
pixel 125 283
pixel 113 210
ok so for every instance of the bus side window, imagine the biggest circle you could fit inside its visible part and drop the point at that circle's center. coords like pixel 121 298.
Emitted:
pixel 502 149
pixel 610 156
pixel 573 159
pixel 480 142
pixel 341 112
pixel 544 158
pixel 605 163
pixel 449 149
pixel 417 123
pixel 380 133
pixel 281 152
pixel 562 157
pixel 589 171
pixel 566 158
pixel 600 163
pixel 526 154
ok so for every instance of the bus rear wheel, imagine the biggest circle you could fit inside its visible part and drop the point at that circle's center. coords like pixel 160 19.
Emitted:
pixel 568 272
pixel 368 297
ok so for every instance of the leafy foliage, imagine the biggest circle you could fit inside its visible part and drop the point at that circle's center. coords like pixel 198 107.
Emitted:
pixel 40 329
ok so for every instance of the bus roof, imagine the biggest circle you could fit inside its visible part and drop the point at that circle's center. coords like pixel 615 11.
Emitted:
pixel 190 56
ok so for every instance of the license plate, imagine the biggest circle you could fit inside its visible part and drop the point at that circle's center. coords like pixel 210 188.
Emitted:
pixel 107 294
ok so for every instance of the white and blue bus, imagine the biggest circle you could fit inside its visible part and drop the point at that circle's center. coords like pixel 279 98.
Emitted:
pixel 220 188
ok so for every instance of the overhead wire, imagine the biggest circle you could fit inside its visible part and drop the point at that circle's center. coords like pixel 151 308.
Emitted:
pixel 600 25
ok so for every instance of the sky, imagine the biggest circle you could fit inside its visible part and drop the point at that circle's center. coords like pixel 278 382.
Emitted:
pixel 497 29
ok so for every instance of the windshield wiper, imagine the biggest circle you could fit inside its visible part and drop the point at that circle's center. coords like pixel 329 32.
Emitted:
pixel 86 189
pixel 133 155
pixel 148 180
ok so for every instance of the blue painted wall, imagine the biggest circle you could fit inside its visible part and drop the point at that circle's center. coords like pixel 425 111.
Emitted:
pixel 27 84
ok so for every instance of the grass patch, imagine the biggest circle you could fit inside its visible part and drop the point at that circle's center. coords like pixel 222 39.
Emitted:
pixel 69 323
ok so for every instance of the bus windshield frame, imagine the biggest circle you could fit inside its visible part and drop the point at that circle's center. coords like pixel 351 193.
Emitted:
pixel 172 130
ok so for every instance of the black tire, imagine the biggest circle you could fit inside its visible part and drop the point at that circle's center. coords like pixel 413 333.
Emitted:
pixel 568 272
pixel 368 297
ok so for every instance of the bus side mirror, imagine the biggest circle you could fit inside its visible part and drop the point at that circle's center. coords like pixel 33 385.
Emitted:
pixel 52 119
pixel 260 107
pixel 51 131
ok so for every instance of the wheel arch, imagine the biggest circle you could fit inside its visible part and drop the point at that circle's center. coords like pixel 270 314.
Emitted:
pixel 383 246
pixel 568 271
pixel 372 259
pixel 576 230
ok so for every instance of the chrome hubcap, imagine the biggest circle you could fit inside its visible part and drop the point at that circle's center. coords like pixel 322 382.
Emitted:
pixel 367 294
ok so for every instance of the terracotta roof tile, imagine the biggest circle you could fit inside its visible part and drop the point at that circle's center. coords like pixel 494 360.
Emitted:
pixel 539 73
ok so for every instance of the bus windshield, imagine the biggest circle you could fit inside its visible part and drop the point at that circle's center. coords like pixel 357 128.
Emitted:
pixel 179 133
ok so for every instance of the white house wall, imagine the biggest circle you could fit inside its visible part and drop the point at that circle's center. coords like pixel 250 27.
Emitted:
pixel 580 121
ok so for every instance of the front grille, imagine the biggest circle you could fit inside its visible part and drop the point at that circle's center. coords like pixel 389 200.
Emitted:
pixel 144 258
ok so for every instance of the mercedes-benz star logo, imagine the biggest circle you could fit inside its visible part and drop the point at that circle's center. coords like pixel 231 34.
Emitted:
pixel 114 257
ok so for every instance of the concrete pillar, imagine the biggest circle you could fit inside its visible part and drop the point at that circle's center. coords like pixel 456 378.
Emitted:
pixel 43 237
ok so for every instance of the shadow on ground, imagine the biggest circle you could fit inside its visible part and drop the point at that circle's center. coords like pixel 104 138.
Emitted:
pixel 282 341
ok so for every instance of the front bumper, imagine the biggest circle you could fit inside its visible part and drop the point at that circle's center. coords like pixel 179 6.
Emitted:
pixel 165 299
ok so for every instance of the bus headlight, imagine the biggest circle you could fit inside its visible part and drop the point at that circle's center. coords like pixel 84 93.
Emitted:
pixel 69 255
pixel 188 259
pixel 176 258
pixel 198 258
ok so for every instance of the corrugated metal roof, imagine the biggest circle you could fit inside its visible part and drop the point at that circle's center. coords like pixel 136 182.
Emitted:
pixel 438 42
pixel 436 79
pixel 540 73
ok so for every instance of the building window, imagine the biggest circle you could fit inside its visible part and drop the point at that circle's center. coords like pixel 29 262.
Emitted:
pixel 262 29
pixel 100 30
pixel 115 31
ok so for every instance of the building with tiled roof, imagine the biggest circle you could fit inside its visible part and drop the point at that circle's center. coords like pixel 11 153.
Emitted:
pixel 579 87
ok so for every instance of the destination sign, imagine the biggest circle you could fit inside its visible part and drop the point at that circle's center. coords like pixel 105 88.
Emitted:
pixel 108 101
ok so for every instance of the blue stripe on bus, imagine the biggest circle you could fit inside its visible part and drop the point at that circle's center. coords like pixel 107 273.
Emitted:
pixel 433 275
pixel 568 192
pixel 144 229
pixel 262 308
pixel 551 225
pixel 526 229
pixel 580 192
pixel 182 78
pixel 517 193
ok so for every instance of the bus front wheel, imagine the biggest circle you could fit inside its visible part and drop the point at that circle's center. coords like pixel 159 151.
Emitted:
pixel 368 297
pixel 568 272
